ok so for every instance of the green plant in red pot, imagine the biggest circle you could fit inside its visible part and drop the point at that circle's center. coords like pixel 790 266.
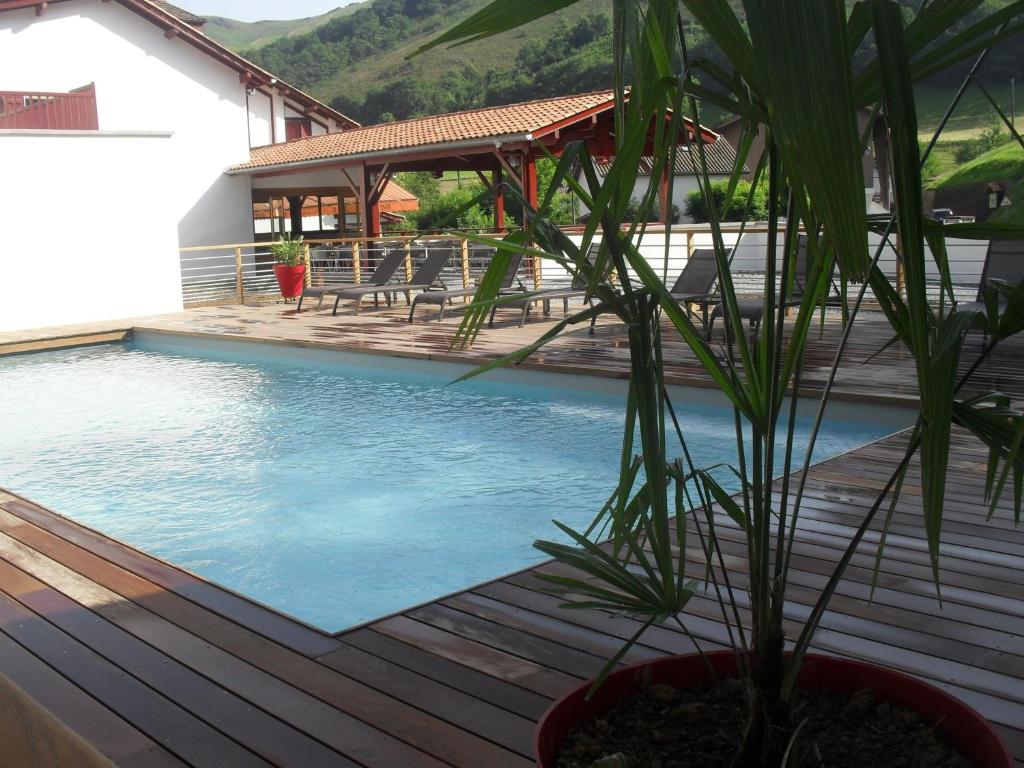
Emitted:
pixel 290 267
pixel 800 74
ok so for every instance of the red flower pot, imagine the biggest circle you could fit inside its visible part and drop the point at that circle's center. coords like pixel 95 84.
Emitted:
pixel 290 279
pixel 967 731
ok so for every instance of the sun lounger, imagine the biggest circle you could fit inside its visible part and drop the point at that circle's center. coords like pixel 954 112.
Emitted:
pixel 751 309
pixel 578 288
pixel 695 284
pixel 424 279
pixel 384 272
pixel 1004 261
pixel 444 298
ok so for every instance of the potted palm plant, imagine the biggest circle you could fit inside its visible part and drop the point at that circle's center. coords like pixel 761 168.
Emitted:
pixel 290 267
pixel 797 72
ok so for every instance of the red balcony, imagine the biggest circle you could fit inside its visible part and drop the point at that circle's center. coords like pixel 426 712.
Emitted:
pixel 75 110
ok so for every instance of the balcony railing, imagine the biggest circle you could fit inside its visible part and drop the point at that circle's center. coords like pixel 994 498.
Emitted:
pixel 36 110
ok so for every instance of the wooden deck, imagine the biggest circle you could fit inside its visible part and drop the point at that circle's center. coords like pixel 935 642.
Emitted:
pixel 155 666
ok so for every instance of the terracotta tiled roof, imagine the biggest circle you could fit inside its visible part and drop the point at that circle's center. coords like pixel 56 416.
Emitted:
pixel 526 118
pixel 396 193
pixel 180 13
pixel 719 155
pixel 394 199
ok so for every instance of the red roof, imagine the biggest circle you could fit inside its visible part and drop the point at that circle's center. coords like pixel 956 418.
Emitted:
pixel 525 121
pixel 254 76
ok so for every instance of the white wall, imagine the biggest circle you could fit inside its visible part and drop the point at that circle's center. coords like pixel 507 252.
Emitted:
pixel 85 246
pixel 259 119
pixel 681 187
pixel 144 82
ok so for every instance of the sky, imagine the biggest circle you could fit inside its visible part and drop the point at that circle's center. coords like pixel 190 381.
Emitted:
pixel 256 10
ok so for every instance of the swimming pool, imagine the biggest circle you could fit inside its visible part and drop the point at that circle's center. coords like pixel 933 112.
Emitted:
pixel 334 487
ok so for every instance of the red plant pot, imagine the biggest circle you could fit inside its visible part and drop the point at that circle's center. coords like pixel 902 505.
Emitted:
pixel 290 279
pixel 966 731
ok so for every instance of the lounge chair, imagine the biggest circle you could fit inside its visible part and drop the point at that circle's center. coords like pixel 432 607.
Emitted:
pixel 1004 261
pixel 423 280
pixel 751 309
pixel 579 287
pixel 384 272
pixel 696 282
pixel 444 298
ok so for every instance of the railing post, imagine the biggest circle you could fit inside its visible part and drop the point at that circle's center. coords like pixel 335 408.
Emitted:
pixel 307 280
pixel 465 269
pixel 901 277
pixel 689 243
pixel 356 263
pixel 408 261
pixel 537 269
pixel 239 284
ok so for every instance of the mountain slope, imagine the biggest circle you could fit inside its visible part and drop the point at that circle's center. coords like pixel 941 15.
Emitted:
pixel 357 59
pixel 241 35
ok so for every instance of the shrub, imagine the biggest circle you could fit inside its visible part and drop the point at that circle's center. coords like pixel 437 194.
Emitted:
pixel 697 210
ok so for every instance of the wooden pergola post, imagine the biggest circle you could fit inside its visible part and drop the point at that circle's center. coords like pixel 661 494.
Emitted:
pixel 665 201
pixel 530 193
pixel 369 208
pixel 499 200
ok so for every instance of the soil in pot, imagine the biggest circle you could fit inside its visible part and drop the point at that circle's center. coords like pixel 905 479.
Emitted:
pixel 667 727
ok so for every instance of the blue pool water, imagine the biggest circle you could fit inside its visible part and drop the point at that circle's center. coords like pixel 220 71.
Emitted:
pixel 334 491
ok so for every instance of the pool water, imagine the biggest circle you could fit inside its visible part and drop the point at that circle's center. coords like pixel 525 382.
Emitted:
pixel 334 489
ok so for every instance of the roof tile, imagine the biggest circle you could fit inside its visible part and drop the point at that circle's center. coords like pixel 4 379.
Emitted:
pixel 719 156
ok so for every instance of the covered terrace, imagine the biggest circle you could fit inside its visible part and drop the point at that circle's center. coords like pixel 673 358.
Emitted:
pixel 496 143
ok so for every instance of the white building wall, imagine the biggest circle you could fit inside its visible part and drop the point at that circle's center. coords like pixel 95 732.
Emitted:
pixel 76 247
pixel 259 119
pixel 681 187
pixel 144 82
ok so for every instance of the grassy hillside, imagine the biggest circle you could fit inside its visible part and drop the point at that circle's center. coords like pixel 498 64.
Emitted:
pixel 241 35
pixel 972 114
pixel 1003 164
pixel 496 53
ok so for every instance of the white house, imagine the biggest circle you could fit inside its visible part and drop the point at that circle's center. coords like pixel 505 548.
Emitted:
pixel 118 119
pixel 720 157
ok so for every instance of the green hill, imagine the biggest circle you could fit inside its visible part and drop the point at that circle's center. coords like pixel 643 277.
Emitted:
pixel 964 189
pixel 355 59
pixel 241 35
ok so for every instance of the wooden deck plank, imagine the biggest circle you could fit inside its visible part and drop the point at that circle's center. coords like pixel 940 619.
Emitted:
pixel 508 730
pixel 186 736
pixel 269 737
pixel 345 699
pixel 453 647
pixel 112 736
pixel 267 622
pixel 463 678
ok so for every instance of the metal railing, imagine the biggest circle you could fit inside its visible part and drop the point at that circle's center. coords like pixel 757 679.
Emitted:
pixel 37 110
pixel 240 272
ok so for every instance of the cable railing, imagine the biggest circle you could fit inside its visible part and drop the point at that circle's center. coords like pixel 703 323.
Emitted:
pixel 235 273
pixel 241 272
